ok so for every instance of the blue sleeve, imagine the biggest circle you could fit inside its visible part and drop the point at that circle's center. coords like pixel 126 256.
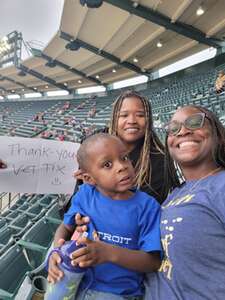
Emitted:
pixel 150 238
pixel 78 201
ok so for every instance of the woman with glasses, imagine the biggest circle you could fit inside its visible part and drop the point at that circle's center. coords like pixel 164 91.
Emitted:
pixel 132 122
pixel 193 215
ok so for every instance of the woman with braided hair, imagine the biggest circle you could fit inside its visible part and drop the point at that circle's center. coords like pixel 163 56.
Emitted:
pixel 132 122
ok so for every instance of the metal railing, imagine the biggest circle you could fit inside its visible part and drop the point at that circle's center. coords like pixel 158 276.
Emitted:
pixel 7 200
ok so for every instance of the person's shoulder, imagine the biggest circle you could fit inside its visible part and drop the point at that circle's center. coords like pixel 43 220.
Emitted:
pixel 85 191
pixel 85 187
pixel 217 182
pixel 147 199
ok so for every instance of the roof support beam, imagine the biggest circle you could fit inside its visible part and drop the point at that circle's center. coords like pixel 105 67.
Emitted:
pixel 19 83
pixel 39 53
pixel 44 78
pixel 162 20
pixel 3 89
pixel 103 53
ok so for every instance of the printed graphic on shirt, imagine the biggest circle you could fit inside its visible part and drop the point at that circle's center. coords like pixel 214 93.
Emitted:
pixel 178 201
pixel 104 236
pixel 169 228
pixel 167 266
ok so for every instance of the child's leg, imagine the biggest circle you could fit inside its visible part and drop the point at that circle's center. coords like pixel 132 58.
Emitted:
pixel 96 295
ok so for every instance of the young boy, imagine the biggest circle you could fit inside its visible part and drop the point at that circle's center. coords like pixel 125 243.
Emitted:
pixel 127 223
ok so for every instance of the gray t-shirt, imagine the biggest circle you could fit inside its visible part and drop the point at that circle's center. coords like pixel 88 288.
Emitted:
pixel 193 238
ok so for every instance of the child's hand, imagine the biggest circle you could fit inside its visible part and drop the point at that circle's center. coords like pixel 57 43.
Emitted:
pixel 93 253
pixel 54 273
pixel 81 223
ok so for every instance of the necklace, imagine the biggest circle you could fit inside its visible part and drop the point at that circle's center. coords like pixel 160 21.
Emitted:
pixel 196 184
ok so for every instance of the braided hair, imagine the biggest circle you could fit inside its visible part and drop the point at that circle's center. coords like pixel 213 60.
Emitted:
pixel 151 143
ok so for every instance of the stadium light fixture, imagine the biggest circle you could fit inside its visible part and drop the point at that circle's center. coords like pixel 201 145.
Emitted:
pixel 200 11
pixel 21 73
pixel 97 76
pixel 73 46
pixel 51 64
pixel 135 59
pixel 46 86
pixel 91 3
pixel 159 44
pixel 114 70
pixel 79 81
pixel 65 83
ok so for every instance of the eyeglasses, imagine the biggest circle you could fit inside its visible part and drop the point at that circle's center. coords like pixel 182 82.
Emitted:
pixel 193 122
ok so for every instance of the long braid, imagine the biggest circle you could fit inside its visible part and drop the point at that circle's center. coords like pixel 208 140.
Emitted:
pixel 143 168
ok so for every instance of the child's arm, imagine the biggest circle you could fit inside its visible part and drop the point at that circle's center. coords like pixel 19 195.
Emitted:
pixel 97 252
pixel 62 234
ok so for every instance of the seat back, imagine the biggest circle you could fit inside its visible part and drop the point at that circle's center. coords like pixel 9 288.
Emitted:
pixel 13 267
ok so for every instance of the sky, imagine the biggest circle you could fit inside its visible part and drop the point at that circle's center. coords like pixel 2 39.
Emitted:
pixel 38 20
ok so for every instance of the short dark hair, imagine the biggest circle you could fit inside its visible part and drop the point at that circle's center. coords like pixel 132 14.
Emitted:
pixel 83 154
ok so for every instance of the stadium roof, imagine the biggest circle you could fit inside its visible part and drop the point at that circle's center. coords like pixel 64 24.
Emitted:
pixel 118 40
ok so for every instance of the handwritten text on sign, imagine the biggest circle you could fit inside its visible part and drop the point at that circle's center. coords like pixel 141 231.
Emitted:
pixel 37 165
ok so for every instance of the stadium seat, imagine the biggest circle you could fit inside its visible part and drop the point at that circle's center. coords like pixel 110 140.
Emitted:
pixel 21 223
pixel 8 237
pixel 3 223
pixel 13 267
pixel 12 215
pixel 37 240
pixel 36 211
pixel 47 201
pixel 53 214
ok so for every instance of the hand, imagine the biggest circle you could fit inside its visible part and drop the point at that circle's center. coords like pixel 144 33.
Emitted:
pixel 93 253
pixel 54 272
pixel 81 223
pixel 2 164
pixel 82 227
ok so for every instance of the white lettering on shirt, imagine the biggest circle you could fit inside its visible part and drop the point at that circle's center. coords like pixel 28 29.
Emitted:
pixel 113 238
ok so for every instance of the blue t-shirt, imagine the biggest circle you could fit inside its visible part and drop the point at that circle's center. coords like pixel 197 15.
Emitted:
pixel 193 238
pixel 133 223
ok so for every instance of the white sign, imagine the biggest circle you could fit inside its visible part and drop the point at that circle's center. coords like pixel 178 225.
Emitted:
pixel 37 165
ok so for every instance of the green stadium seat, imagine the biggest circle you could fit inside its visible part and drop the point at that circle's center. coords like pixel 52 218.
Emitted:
pixel 7 238
pixel 21 223
pixel 37 240
pixel 12 215
pixel 47 201
pixel 23 207
pixel 6 213
pixel 36 211
pixel 53 214
pixel 13 267
pixel 3 223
